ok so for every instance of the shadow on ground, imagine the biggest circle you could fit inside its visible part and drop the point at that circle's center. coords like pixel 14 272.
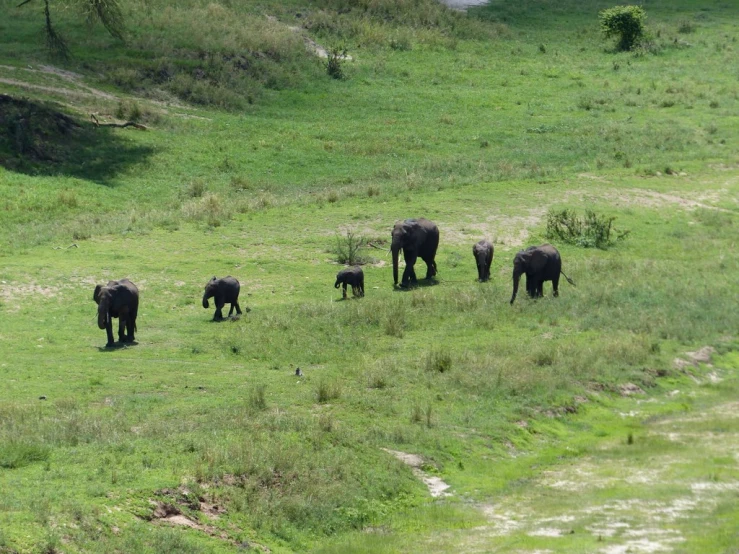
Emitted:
pixel 38 139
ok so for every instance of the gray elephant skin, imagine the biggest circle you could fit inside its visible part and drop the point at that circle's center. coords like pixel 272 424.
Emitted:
pixel 483 252
pixel 539 263
pixel 418 238
pixel 223 291
pixel 353 276
pixel 117 299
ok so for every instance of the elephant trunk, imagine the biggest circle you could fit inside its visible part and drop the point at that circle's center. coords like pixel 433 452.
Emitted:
pixel 103 316
pixel 395 249
pixel 516 278
pixel 337 284
pixel 205 300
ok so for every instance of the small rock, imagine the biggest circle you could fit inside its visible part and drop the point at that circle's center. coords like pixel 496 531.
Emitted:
pixel 298 372
pixel 42 397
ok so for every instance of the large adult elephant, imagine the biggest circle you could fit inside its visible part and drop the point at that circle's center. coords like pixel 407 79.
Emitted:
pixel 223 291
pixel 539 263
pixel 418 238
pixel 117 299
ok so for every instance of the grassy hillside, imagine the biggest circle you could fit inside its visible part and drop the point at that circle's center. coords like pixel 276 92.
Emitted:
pixel 480 122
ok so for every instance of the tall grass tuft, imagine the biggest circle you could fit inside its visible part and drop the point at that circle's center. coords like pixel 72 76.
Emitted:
pixel 325 392
pixel 438 361
pixel 257 398
pixel 18 454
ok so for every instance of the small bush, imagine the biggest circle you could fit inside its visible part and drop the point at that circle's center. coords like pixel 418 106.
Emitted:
pixel 347 248
pixel 336 57
pixel 624 22
pixel 591 231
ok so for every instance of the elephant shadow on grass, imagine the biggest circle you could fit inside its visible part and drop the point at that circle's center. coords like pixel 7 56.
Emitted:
pixel 420 284
pixel 42 140
pixel 117 346
pixel 230 318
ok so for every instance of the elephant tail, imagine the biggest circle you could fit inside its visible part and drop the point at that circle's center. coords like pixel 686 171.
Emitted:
pixel 570 281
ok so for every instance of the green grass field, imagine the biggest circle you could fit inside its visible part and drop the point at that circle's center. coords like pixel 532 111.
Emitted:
pixel 561 424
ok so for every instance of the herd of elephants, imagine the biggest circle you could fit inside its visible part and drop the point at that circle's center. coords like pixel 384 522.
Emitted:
pixel 416 237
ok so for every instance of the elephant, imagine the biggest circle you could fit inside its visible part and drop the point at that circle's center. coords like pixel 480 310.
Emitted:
pixel 483 252
pixel 353 276
pixel 418 238
pixel 539 263
pixel 225 290
pixel 117 299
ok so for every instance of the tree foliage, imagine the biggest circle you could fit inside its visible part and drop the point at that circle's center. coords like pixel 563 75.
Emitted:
pixel 106 12
pixel 624 22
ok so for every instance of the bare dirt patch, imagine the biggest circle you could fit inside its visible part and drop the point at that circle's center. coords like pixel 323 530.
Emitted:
pixel 13 295
pixel 437 487
pixel 625 503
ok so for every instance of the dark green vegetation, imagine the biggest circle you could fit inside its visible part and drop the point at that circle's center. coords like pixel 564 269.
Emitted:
pixel 479 123
pixel 590 230
pixel 624 22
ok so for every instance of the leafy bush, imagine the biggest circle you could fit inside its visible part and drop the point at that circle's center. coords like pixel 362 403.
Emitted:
pixel 336 57
pixel 624 22
pixel 591 231
pixel 347 249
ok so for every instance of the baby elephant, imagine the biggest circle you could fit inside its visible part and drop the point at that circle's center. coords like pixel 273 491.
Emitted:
pixel 353 276
pixel 483 252
pixel 224 290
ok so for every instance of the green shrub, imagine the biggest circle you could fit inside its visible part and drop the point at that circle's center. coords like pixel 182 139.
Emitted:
pixel 624 22
pixel 336 57
pixel 590 231
pixel 347 248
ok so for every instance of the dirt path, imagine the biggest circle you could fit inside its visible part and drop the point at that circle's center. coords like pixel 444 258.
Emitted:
pixel 463 4
pixel 655 495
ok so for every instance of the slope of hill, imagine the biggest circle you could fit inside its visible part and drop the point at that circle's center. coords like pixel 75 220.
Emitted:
pixel 250 160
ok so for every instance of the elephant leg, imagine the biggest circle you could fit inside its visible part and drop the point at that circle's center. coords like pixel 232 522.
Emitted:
pixel 555 286
pixel 409 274
pixel 238 308
pixel 122 329
pixel 354 290
pixel 430 268
pixel 109 332
pixel 344 290
pixel 219 310
pixel 129 329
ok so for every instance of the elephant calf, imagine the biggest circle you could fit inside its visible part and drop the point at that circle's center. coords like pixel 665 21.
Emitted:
pixel 353 276
pixel 117 299
pixel 539 263
pixel 483 252
pixel 225 290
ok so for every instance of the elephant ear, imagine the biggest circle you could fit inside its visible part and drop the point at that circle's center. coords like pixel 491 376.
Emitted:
pixel 537 260
pixel 96 294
